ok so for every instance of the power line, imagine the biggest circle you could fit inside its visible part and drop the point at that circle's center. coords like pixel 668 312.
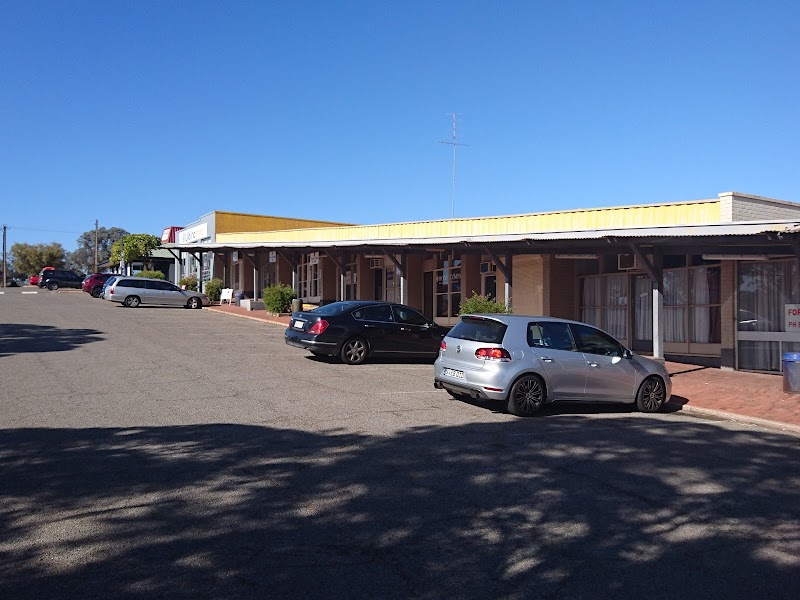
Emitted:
pixel 453 143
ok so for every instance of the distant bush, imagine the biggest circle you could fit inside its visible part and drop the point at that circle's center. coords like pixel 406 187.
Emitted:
pixel 190 281
pixel 278 298
pixel 151 274
pixel 478 304
pixel 214 289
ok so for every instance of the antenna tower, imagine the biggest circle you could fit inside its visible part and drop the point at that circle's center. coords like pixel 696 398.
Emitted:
pixel 453 143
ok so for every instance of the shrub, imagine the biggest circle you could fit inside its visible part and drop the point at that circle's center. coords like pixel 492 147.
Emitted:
pixel 278 298
pixel 477 304
pixel 151 274
pixel 214 289
pixel 190 281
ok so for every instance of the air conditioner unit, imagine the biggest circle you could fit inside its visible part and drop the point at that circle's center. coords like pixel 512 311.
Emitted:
pixel 488 267
pixel 628 262
pixel 375 263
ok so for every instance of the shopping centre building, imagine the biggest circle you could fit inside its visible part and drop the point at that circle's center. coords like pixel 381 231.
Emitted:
pixel 712 282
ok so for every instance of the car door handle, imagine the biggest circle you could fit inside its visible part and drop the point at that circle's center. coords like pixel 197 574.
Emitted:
pixel 547 359
pixel 369 326
pixel 405 329
pixel 592 363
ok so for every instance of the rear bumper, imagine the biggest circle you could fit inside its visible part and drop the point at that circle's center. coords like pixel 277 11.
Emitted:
pixel 475 392
pixel 296 340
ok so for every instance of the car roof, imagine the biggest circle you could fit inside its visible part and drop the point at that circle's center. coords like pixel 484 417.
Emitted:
pixel 509 318
pixel 141 278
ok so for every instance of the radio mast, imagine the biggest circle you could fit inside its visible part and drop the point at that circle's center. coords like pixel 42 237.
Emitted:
pixel 453 143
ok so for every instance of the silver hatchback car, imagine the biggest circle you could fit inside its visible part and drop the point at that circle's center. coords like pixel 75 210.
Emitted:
pixel 527 361
pixel 133 291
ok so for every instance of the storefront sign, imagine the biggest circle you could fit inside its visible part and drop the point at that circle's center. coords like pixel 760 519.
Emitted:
pixel 313 258
pixel 193 234
pixel 791 316
pixel 273 256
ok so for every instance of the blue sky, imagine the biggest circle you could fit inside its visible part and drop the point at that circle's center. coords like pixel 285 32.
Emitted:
pixel 148 114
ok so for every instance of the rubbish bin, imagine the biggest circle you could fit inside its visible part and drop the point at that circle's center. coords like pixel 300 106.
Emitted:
pixel 297 304
pixel 791 372
pixel 238 297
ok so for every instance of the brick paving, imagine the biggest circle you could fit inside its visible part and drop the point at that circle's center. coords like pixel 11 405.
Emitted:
pixel 753 397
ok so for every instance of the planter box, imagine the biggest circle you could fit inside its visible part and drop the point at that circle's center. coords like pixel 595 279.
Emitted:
pixel 250 304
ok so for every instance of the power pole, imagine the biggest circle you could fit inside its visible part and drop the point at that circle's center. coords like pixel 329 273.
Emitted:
pixel 453 143
pixel 5 264
pixel 95 246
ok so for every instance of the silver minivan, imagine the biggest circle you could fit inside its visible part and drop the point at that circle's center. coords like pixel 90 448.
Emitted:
pixel 527 361
pixel 133 291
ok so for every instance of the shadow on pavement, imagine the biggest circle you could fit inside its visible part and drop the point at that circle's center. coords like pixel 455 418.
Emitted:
pixel 18 338
pixel 524 509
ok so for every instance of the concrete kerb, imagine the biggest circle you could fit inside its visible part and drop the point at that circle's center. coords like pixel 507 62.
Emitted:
pixel 259 319
pixel 743 419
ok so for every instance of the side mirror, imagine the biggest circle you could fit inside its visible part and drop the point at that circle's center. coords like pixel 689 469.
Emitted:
pixel 627 354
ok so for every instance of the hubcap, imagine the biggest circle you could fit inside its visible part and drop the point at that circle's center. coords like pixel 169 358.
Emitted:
pixel 529 395
pixel 355 351
pixel 653 394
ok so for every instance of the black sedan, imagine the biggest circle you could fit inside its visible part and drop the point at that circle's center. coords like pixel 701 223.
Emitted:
pixel 358 329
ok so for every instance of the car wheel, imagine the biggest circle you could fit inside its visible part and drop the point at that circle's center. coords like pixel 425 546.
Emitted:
pixel 527 396
pixel 194 303
pixel 96 291
pixel 52 286
pixel 354 351
pixel 651 395
pixel 132 301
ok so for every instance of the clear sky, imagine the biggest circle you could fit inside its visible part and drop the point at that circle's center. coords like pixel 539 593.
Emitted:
pixel 144 114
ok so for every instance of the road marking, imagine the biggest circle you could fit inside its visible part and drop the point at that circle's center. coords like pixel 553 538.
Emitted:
pixel 30 292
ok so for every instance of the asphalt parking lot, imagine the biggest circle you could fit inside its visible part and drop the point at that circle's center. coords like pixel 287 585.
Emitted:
pixel 162 452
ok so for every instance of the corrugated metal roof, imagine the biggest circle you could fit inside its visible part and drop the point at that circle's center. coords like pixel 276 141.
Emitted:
pixel 665 231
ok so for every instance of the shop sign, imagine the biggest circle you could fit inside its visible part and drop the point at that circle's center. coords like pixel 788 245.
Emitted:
pixel 193 234
pixel 235 256
pixel 273 256
pixel 791 316
pixel 454 276
pixel 313 258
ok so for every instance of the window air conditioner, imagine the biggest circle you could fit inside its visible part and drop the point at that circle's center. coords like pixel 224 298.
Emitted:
pixel 488 267
pixel 628 262
pixel 375 263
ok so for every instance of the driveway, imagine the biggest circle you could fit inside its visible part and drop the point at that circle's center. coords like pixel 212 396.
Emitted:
pixel 187 454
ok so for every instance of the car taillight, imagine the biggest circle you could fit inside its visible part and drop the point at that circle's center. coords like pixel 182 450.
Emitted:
pixel 318 327
pixel 443 346
pixel 500 354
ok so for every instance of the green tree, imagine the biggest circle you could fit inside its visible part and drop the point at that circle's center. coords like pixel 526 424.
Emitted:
pixel 134 246
pixel 83 257
pixel 30 258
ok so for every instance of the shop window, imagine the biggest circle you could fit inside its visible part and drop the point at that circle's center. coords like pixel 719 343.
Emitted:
pixel 448 287
pixel 604 303
pixel 764 290
pixel 308 276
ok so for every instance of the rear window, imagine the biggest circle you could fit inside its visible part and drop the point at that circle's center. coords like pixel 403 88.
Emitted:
pixel 334 308
pixel 479 330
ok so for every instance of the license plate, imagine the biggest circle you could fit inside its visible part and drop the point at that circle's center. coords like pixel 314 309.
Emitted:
pixel 297 324
pixel 454 373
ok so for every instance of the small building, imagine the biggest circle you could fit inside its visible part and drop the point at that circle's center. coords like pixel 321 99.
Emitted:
pixel 710 281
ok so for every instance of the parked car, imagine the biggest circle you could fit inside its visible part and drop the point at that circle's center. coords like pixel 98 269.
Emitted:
pixel 133 291
pixel 359 329
pixel 528 361
pixel 93 284
pixel 107 283
pixel 52 279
